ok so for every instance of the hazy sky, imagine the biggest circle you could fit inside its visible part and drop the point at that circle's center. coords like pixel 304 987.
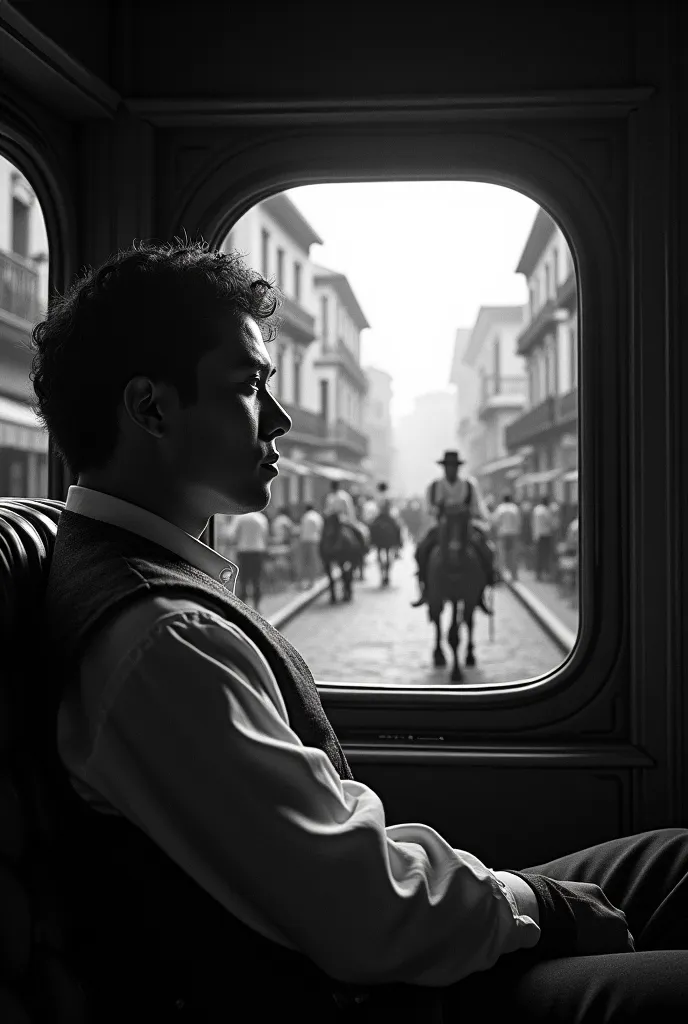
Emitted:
pixel 422 257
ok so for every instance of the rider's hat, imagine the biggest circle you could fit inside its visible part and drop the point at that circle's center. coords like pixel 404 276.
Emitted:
pixel 451 458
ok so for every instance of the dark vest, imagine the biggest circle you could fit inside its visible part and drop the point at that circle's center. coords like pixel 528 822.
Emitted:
pixel 144 933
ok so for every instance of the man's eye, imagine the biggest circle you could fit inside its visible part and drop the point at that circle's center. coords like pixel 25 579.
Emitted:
pixel 256 383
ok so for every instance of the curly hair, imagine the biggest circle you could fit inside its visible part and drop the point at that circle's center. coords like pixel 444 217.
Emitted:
pixel 134 315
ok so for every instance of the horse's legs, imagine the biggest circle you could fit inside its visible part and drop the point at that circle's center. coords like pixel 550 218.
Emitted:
pixel 388 560
pixel 468 619
pixel 438 654
pixel 347 577
pixel 333 593
pixel 453 638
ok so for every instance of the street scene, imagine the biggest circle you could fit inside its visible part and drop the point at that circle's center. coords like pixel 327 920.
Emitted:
pixel 380 639
pixel 444 429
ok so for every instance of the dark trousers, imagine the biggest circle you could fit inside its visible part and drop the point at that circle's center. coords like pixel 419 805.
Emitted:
pixel 250 565
pixel 543 557
pixel 644 875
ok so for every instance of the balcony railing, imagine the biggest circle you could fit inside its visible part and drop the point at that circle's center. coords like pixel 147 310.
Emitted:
pixel 346 435
pixel 567 294
pixel 538 419
pixel 567 406
pixel 18 287
pixel 296 321
pixel 342 355
pixel 544 320
pixel 555 411
pixel 306 423
pixel 502 392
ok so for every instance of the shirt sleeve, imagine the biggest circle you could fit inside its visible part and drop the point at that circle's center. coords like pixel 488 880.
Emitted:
pixel 194 745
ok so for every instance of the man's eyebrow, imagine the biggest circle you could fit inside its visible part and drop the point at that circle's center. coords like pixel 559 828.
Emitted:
pixel 256 366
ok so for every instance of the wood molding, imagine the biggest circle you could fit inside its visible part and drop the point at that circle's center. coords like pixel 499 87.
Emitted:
pixel 178 113
pixel 43 69
pixel 502 756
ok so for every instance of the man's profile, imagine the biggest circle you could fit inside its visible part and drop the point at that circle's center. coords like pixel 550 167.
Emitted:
pixel 219 840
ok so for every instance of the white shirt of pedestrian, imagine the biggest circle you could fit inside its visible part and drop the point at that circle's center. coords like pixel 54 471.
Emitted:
pixel 252 532
pixel 507 519
pixel 311 526
pixel 542 522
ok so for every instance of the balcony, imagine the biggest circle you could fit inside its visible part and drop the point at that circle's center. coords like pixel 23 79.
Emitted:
pixel 544 320
pixel 501 393
pixel 536 421
pixel 567 406
pixel 307 426
pixel 555 411
pixel 346 436
pixel 567 293
pixel 344 358
pixel 18 288
pixel 296 322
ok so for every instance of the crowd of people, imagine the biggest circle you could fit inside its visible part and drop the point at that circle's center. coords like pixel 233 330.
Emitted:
pixel 281 545
pixel 538 536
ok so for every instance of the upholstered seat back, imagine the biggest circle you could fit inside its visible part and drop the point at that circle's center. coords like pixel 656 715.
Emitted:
pixel 36 984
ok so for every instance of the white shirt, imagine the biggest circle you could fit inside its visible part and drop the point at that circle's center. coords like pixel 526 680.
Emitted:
pixel 455 494
pixel 341 501
pixel 507 519
pixel 163 727
pixel 369 511
pixel 311 526
pixel 252 532
pixel 542 522
pixel 283 528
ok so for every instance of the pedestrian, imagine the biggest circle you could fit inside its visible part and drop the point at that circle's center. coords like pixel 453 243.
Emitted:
pixel 214 843
pixel 506 520
pixel 285 536
pixel 251 534
pixel 311 532
pixel 542 538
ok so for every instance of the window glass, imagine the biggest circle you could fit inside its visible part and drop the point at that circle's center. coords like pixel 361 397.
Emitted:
pixel 480 361
pixel 23 301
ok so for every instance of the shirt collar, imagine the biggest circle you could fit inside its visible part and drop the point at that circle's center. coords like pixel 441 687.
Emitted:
pixel 97 505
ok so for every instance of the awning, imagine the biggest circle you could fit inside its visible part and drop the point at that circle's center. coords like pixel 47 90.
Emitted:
pixel 295 468
pixel 333 473
pixel 20 428
pixel 545 476
pixel 571 477
pixel 507 462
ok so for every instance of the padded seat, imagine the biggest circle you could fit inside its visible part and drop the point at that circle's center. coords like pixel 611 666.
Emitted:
pixel 37 985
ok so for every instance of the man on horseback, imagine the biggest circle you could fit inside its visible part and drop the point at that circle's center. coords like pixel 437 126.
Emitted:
pixel 446 493
pixel 340 502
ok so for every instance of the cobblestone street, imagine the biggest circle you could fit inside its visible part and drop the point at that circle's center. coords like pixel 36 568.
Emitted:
pixel 379 638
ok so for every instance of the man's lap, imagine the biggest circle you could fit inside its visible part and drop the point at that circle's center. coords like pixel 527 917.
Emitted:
pixel 646 875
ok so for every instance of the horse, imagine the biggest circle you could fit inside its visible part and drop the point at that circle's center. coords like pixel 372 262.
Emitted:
pixel 340 545
pixel 454 574
pixel 359 565
pixel 385 535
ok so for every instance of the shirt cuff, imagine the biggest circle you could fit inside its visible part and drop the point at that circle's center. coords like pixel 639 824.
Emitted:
pixel 524 897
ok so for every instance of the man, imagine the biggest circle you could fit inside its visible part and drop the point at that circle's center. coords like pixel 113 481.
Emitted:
pixel 340 502
pixel 451 492
pixel 285 532
pixel 506 521
pixel 369 510
pixel 217 847
pixel 311 532
pixel 250 534
pixel 542 527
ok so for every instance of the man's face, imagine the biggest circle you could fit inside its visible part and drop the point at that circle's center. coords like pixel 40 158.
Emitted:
pixel 219 444
pixel 451 472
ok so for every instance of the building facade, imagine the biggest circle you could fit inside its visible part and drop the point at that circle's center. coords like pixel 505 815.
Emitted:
pixel 490 352
pixel 546 433
pixel 465 380
pixel 319 379
pixel 23 301
pixel 377 424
